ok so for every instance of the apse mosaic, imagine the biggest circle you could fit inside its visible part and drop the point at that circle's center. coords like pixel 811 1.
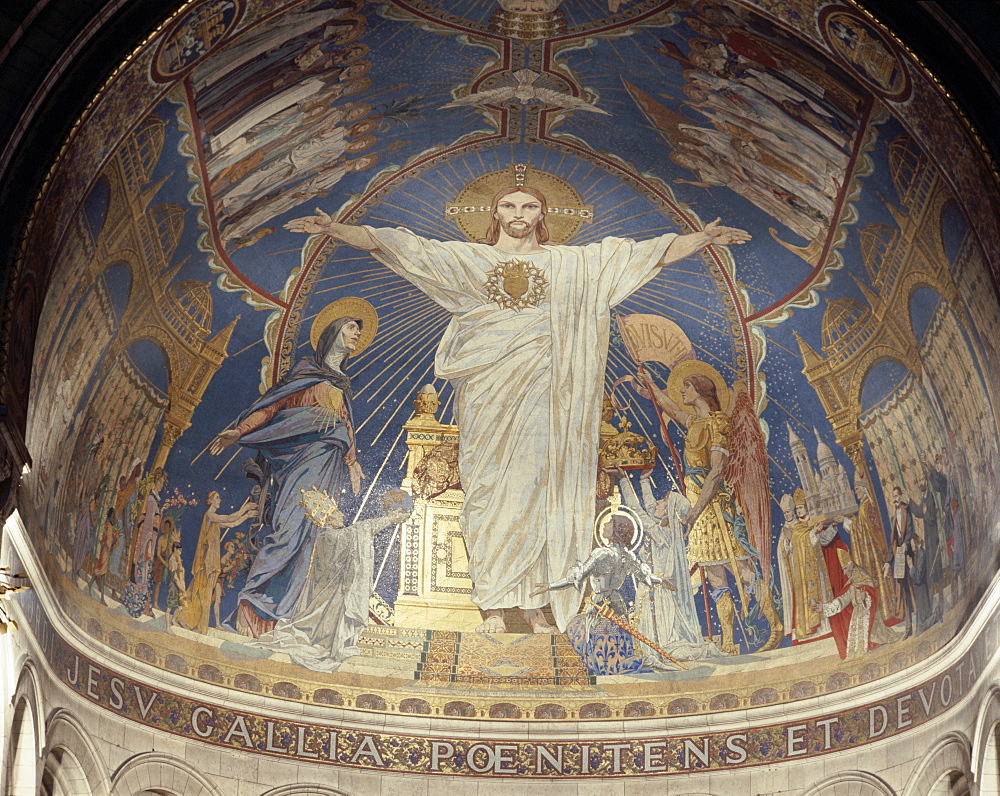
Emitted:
pixel 525 360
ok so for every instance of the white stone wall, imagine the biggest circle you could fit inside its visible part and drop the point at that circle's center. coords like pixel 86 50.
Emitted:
pixel 85 749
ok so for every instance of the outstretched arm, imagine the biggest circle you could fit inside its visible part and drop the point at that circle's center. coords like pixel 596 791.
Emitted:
pixel 323 224
pixel 241 515
pixel 713 235
pixel 646 388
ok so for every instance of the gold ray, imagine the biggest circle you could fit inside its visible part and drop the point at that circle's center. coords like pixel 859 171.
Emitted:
pixel 400 382
pixel 611 226
pixel 374 480
pixel 653 289
pixel 406 384
pixel 775 344
pixel 572 20
pixel 346 285
pixel 397 319
pixel 658 307
pixel 389 321
pixel 596 201
pixel 692 272
pixel 787 411
pixel 610 210
pixel 451 165
pixel 663 282
pixel 421 346
pixel 237 452
pixel 681 300
pixel 395 33
pixel 408 211
pixel 209 443
pixel 419 227
pixel 432 208
pixel 246 348
pixel 391 349
pixel 394 350
pixel 629 218
pixel 441 41
pixel 377 270
pixel 443 194
pixel 447 406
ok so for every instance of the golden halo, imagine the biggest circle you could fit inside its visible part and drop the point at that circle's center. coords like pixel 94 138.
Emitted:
pixel 347 308
pixel 606 516
pixel 691 366
pixel 477 196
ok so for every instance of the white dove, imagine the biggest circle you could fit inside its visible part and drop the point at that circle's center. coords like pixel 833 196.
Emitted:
pixel 525 91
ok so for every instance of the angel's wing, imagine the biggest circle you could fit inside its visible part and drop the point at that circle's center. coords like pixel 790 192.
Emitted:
pixel 526 77
pixel 482 97
pixel 567 101
pixel 747 475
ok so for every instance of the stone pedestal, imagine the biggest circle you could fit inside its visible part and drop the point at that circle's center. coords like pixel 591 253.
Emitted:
pixel 434 584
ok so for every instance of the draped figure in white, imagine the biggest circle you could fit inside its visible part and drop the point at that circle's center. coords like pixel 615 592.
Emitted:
pixel 527 365
pixel 667 616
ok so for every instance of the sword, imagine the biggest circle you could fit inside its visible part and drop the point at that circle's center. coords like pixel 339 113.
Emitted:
pixel 612 617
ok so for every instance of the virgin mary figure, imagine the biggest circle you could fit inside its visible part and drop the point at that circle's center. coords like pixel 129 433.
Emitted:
pixel 303 428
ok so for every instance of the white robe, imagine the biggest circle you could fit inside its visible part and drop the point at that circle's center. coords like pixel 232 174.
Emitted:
pixel 332 611
pixel 528 387
pixel 667 617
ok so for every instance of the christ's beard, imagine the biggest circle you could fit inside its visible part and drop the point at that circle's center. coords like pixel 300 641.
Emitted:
pixel 517 229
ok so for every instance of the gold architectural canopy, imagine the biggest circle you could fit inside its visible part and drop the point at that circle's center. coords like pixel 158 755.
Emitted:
pixel 566 209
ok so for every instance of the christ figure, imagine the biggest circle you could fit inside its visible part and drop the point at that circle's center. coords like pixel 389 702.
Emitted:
pixel 525 352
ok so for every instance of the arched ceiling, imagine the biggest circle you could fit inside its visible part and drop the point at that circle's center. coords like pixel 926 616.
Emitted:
pixel 850 344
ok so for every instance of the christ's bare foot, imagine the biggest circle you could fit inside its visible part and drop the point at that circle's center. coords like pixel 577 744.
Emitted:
pixel 494 622
pixel 535 618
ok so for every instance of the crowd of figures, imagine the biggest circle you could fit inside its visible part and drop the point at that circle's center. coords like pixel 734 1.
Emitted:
pixel 308 582
pixel 688 576
pixel 848 577
pixel 277 123
pixel 779 129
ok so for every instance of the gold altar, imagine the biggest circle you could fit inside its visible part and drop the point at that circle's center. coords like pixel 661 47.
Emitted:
pixel 435 589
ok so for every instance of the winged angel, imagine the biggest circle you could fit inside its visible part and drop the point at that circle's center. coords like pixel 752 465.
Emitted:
pixel 525 91
pixel 728 527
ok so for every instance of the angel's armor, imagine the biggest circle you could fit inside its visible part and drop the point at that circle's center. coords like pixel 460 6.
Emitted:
pixel 712 539
pixel 605 570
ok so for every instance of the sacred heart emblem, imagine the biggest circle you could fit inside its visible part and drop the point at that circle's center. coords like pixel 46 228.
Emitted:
pixel 516 284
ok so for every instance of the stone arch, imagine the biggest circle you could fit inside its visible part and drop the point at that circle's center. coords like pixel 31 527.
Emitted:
pixel 160 773
pixel 65 733
pixel 305 790
pixel 22 750
pixel 127 258
pixel 25 735
pixel 986 743
pixel 949 754
pixel 62 775
pixel 857 783
pixel 28 688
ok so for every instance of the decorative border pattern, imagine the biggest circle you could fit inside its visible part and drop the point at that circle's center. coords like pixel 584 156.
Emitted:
pixel 597 756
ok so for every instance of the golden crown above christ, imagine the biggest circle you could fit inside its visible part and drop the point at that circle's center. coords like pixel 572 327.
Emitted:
pixel 627 450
